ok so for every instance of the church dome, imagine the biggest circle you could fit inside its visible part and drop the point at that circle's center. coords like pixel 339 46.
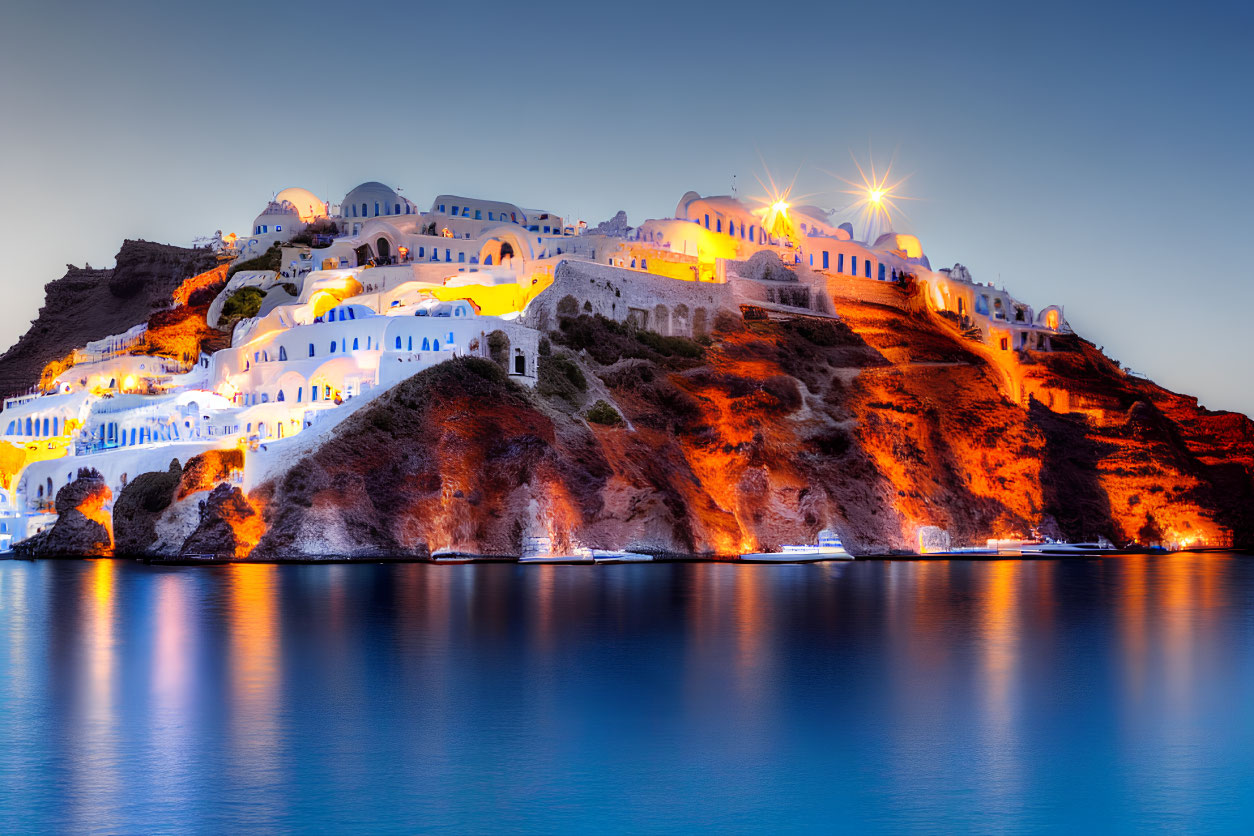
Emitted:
pixel 373 200
pixel 308 206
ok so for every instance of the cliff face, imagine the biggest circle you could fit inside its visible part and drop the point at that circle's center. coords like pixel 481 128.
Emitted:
pixel 874 425
pixel 86 305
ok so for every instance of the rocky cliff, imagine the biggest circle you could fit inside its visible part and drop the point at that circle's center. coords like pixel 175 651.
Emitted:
pixel 877 425
pixel 85 305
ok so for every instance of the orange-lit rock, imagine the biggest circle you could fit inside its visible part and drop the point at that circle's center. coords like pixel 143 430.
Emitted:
pixel 83 527
pixel 876 425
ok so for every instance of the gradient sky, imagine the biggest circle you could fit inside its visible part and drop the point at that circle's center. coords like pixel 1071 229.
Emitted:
pixel 1097 158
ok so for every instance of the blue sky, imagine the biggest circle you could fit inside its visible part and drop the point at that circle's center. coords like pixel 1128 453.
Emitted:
pixel 1097 157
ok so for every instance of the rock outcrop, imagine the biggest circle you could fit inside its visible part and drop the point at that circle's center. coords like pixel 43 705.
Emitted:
pixel 88 304
pixel 83 526
pixel 880 426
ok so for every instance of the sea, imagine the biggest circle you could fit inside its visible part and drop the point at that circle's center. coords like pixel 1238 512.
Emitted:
pixel 1103 695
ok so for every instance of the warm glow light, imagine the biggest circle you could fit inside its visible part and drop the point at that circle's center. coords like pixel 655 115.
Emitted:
pixel 876 198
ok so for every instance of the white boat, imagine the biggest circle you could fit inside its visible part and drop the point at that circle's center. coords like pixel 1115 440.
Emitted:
pixel 829 548
pixel 540 550
pixel 1061 548
pixel 618 556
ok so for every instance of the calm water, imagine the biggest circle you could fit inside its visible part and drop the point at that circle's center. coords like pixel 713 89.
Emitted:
pixel 1112 694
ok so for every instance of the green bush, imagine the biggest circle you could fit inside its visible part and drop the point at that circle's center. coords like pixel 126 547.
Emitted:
pixel 561 377
pixel 602 413
pixel 271 259
pixel 242 304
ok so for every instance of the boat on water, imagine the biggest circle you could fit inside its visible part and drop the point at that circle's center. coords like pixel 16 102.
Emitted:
pixel 1061 548
pixel 540 550
pixel 828 548
pixel 616 556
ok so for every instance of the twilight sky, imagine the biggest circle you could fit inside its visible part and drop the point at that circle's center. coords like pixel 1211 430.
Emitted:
pixel 1097 158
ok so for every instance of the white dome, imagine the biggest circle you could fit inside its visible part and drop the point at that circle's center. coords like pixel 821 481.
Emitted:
pixel 308 206
pixel 374 200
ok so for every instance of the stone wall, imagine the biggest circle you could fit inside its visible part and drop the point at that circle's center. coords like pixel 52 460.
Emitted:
pixel 657 303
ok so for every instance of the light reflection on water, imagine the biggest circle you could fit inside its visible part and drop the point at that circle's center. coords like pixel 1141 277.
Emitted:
pixel 1008 696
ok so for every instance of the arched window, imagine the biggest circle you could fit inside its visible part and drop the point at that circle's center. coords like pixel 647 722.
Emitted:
pixel 281 398
pixel 435 345
pixel 364 212
pixel 311 350
pixel 398 343
pixel 54 427
pixel 376 208
pixel 351 314
pixel 45 426
pixel 300 390
pixel 332 346
pixel 355 346
pixel 411 343
pixel 28 429
pixel 426 346
pixel 282 352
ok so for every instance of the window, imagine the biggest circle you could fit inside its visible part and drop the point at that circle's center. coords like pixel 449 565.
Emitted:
pixel 332 346
pixel 311 350
pixel 461 258
pixel 866 267
pixel 426 344
pixel 881 272
pixel 465 211
pixel 478 214
pixel 490 216
pixel 365 212
pixel 840 262
pixel 750 232
pixel 825 255
pixel 853 260
pixel 421 252
pixel 454 210
pixel 355 346
pixel 441 207
pixel 313 393
pixel 282 353
pixel 299 391
pixel 435 345
pixel 411 343
pixel 718 224
pixel 376 208
pixel 280 398
pixel 278 227
pixel 398 209
pixel 707 221
pixel 448 255
pixel 326 392
pixel 731 227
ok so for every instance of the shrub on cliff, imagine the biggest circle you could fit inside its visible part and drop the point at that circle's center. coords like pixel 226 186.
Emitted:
pixel 271 259
pixel 602 413
pixel 559 376
pixel 607 341
pixel 243 303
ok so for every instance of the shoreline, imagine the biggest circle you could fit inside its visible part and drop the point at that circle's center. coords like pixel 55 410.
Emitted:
pixel 462 560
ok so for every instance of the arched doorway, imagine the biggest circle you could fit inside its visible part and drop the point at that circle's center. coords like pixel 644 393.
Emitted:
pixel 363 254
pixel 384 248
